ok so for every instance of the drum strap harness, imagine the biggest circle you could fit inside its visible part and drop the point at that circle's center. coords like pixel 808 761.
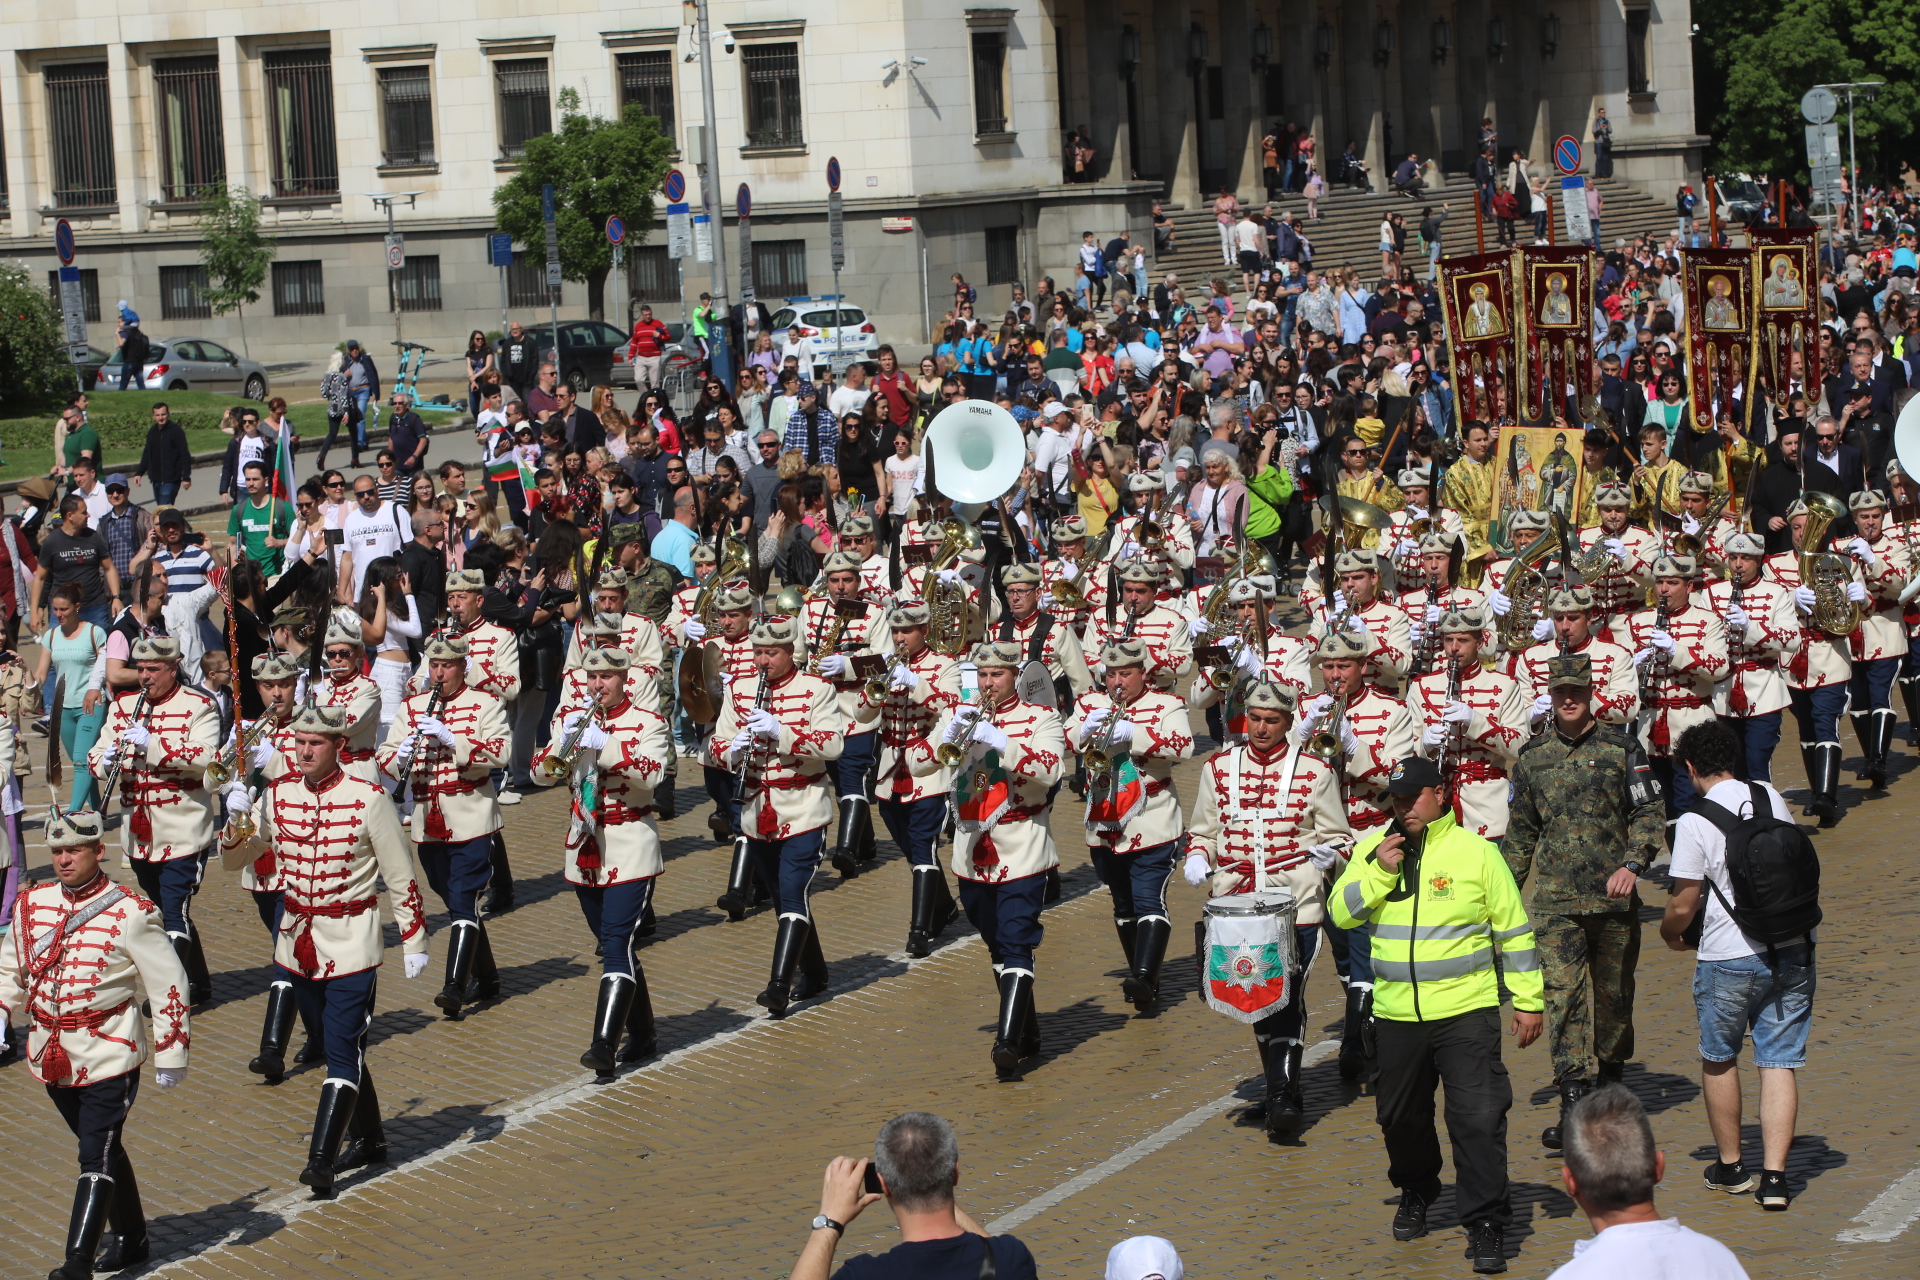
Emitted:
pixel 1255 821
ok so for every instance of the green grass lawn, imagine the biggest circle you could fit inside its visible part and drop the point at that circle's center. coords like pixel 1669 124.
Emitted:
pixel 29 451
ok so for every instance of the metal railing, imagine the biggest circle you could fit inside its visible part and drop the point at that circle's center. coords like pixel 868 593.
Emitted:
pixel 192 151
pixel 80 135
pixel 300 102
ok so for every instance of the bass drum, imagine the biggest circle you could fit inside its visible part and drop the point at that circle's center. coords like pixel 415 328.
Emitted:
pixel 1249 954
pixel 1035 684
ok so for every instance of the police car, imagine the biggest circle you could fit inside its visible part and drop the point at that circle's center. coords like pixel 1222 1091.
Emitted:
pixel 840 339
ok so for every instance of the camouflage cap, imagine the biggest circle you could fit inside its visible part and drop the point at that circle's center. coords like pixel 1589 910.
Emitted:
pixel 466 580
pixel 1570 671
pixel 842 562
pixel 1574 599
pixel 605 660
pixel 1746 544
pixel 156 649
pixel 1027 574
pixel 1867 500
pixel 999 653
pixel 775 629
pixel 1124 653
pixel 447 649
pixel 72 830
pixel 1271 695
pixel 621 534
pixel 1521 521
pixel 1357 560
pixel 275 666
pixel 909 614
pixel 1674 566
pixel 290 616
pixel 737 598
pixel 1613 496
pixel 314 718
pixel 345 631
pixel 1463 622
pixel 1697 482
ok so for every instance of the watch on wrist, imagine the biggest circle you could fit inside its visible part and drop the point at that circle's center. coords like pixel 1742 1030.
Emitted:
pixel 821 1220
pixel 1636 866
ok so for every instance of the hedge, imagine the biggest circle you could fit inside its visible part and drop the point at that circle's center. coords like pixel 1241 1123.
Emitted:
pixel 126 431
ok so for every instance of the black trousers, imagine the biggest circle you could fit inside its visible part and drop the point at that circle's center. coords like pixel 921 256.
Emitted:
pixel 97 1114
pixel 1461 1053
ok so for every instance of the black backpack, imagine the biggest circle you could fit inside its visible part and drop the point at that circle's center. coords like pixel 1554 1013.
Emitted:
pixel 1774 871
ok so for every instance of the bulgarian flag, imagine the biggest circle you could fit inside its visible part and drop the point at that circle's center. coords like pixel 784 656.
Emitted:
pixel 284 485
pixel 509 467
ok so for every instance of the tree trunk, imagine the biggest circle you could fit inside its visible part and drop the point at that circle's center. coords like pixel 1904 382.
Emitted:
pixel 597 294
pixel 241 312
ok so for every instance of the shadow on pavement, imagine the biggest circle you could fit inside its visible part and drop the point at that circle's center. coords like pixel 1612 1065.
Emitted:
pixel 1808 1156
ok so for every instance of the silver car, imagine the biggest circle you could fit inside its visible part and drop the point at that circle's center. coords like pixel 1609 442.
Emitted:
pixel 193 364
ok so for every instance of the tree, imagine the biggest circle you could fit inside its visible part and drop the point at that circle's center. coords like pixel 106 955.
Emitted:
pixel 234 251
pixel 33 354
pixel 598 168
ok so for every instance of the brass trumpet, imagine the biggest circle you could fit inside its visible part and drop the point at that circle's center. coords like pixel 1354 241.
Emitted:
pixel 1324 741
pixel 220 772
pixel 1688 544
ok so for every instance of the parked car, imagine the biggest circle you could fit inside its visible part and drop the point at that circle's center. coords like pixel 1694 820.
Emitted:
pixel 193 364
pixel 1741 198
pixel 855 334
pixel 586 350
pixel 90 369
pixel 622 375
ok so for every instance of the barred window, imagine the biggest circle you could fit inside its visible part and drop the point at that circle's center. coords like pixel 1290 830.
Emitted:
pixel 89 292
pixel 527 279
pixel 297 289
pixel 646 80
pixel 418 283
pixel 1003 255
pixel 180 293
pixel 525 111
pixel 650 274
pixel 80 135
pixel 192 152
pixel 773 95
pixel 406 100
pixel 989 82
pixel 1639 50
pixel 300 99
pixel 780 268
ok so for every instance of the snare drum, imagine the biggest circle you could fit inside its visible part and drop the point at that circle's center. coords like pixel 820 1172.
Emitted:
pixel 1249 955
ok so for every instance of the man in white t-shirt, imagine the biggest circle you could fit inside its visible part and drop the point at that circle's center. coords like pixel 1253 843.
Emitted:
pixel 1053 453
pixel 1612 1166
pixel 850 396
pixel 372 529
pixel 1740 984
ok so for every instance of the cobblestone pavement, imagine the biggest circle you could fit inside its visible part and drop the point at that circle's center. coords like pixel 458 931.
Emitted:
pixel 508 1161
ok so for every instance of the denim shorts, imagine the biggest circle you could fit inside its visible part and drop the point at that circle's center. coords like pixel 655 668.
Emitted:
pixel 1776 1004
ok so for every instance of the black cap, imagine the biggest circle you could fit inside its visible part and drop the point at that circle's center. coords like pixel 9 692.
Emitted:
pixel 1412 776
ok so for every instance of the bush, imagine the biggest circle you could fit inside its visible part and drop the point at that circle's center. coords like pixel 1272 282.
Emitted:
pixel 125 431
pixel 33 357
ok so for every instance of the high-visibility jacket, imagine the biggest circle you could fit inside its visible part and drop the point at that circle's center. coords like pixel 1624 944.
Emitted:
pixel 1433 949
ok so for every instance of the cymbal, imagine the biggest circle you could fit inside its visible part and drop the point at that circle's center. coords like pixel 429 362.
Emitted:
pixel 1364 514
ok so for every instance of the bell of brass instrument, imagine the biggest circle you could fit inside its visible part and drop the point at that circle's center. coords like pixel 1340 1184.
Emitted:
pixel 1324 741
pixel 1097 754
pixel 559 762
pixel 1826 573
pixel 947 603
pixel 792 601
pixel 1068 595
pixel 1219 601
pixel 220 773
pixel 952 755
pixel 1526 588
pixel 1690 544
pixel 1358 518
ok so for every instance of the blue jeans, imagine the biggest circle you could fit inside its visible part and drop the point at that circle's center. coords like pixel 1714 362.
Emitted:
pixel 1137 881
pixel 458 871
pixel 132 374
pixel 343 1010
pixel 1007 914
pixel 164 493
pixel 1774 1002
pixel 369 418
pixel 1758 735
pixel 172 885
pixel 613 912
pixel 789 866
pixel 100 615
pixel 915 826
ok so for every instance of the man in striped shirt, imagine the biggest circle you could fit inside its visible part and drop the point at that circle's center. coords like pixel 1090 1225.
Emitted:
pixel 185 564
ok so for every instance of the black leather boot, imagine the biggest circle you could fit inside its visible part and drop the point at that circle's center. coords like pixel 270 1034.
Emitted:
pixel 125 1244
pixel 738 896
pixel 928 887
pixel 1808 755
pixel 315 1049
pixel 847 836
pixel 642 1043
pixel 1353 1054
pixel 666 798
pixel 1016 1004
pixel 1050 894
pixel 1030 1034
pixel 1883 727
pixel 183 952
pixel 276 1030
pixel 1142 986
pixel 461 950
pixel 1826 782
pixel 869 843
pixel 1572 1090
pixel 486 972
pixel 367 1139
pixel 337 1100
pixel 720 826
pixel 609 1019
pixel 199 978
pixel 813 966
pixel 1285 1105
pixel 787 943
pixel 1128 931
pixel 1910 695
pixel 500 898
pixel 92 1198
pixel 1863 734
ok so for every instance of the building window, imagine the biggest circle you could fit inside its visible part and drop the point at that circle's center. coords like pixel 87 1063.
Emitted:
pixel 773 95
pixel 525 111
pixel 80 134
pixel 193 154
pixel 1003 255
pixel 989 82
pixel 418 283
pixel 527 280
pixel 650 274
pixel 89 292
pixel 406 100
pixel 297 289
pixel 1273 91
pixel 300 97
pixel 646 81
pixel 1639 68
pixel 180 294
pixel 780 268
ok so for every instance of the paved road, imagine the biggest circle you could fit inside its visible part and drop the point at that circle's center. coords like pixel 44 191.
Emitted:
pixel 510 1162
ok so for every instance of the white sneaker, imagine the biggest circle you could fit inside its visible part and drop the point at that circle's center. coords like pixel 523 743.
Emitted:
pixel 509 796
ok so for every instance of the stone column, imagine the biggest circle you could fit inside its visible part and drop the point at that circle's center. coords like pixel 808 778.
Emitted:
pixel 1393 103
pixel 128 153
pixel 1173 86
pixel 25 191
pixel 1106 101
pixel 1419 129
pixel 1241 160
pixel 1360 82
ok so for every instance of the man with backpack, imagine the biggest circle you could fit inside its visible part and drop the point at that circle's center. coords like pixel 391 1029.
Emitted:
pixel 1746 886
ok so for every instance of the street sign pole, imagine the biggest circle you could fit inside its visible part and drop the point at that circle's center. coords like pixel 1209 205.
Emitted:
pixel 500 254
pixel 679 237
pixel 553 272
pixel 73 304
pixel 749 302
pixel 722 352
pixel 1573 189
pixel 837 241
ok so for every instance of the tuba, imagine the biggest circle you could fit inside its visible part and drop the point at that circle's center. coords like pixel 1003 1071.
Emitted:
pixel 1526 588
pixel 974 452
pixel 947 603
pixel 1824 572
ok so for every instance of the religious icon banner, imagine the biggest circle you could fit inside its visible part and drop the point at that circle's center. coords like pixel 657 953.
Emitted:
pixel 1477 295
pixel 1787 317
pixel 1717 286
pixel 1539 470
pixel 1556 330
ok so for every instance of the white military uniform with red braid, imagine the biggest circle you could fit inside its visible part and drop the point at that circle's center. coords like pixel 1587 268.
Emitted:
pixel 1020 842
pixel 1409 573
pixel 1234 828
pixel 1680 684
pixel 1057 570
pixel 615 839
pixel 1906 533
pixel 1754 684
pixel 1164 632
pixel 361 698
pixel 453 796
pixel 1392 647
pixel 1178 550
pixel 1424 633
pixel 970 565
pixel 1162 738
pixel 868 634
pixel 1882 632
pixel 263 874
pixel 169 812
pixel 875 574
pixel 1387 736
pixel 639 639
pixel 332 843
pixel 1488 744
pixel 736 656
pixel 493 659
pixel 786 793
pixel 1060 652
pixel 1620 590
pixel 679 609
pixel 1713 548
pixel 574 693
pixel 905 718
pixel 1821 659
pixel 1616 685
pixel 78 962
pixel 1288 660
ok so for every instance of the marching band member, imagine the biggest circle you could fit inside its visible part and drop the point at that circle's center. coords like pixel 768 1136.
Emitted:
pixel 81 955
pixel 1819 674
pixel 1268 799
pixel 1002 844
pixel 857 540
pixel 1439 592
pixel 1045 635
pixel 967 569
pixel 1469 489
pixel 449 739
pixel 618 750
pixel 733 620
pixel 1904 516
pixel 1680 652
pixel 1133 816
pixel 1276 656
pixel 1476 733
pixel 1568 628
pixel 1524 528
pixel 1622 585
pixel 1173 550
pixel 1761 627
pixel 780 744
pixel 1070 565
pixel 686 598
pixel 493 665
pixel 599 631
pixel 913 803
pixel 639 637
pixel 170 815
pixel 1358 607
pixel 1166 634
pixel 347 687
pixel 1406 535
pixel 1696 495
pixel 834 628
pixel 1879 646
pixel 333 837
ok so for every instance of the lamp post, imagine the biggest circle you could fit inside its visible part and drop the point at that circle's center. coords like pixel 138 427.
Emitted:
pixel 1323 44
pixel 1442 39
pixel 1550 34
pixel 1383 43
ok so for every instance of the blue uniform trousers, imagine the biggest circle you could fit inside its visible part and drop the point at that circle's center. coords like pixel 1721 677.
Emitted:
pixel 343 1010
pixel 788 865
pixel 613 912
pixel 458 871
pixel 1137 881
pixel 1007 914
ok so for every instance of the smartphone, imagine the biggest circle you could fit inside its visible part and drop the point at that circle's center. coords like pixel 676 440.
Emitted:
pixel 336 537
pixel 871 1182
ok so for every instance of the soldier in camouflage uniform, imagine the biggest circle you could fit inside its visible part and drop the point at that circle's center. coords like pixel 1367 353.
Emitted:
pixel 650 582
pixel 1588 815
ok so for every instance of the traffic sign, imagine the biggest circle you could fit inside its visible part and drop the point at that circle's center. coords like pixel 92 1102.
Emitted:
pixel 743 201
pixel 499 249
pixel 546 202
pixel 1819 105
pixel 73 307
pixel 833 173
pixel 553 236
pixel 396 251
pixel 702 238
pixel 78 353
pixel 1573 198
pixel 616 229
pixel 679 232
pixel 675 187
pixel 63 241
pixel 1566 154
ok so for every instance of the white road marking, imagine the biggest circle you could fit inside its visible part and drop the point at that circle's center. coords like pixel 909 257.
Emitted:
pixel 1891 1213
pixel 1140 1150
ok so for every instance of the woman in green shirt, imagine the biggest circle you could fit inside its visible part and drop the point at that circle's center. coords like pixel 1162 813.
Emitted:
pixel 69 648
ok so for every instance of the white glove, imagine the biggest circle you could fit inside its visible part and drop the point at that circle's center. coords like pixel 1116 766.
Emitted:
pixel 834 666
pixel 167 1077
pixel 741 741
pixel 1091 725
pixel 136 736
pixel 1349 740
pixel 1803 599
pixel 1616 545
pixel 433 728
pixel 1356 626
pixel 727 677
pixel 1131 550
pixel 1195 868
pixel 903 677
pixel 763 723
pixel 1457 713
pixel 1863 552
pixel 1640 658
pixel 1325 856
pixel 1436 733
pixel 991 737
pixel 1122 737
pixel 1543 630
pixel 1316 708
pixel 695 632
pixel 1247 661
pixel 1737 618
pixel 1197 627
pixel 415 963
pixel 1434 614
pixel 1857 592
pixel 1415 632
pixel 592 738
pixel 1542 707
pixel 1499 603
pixel 1336 603
pixel 239 799
pixel 1406 547
pixel 949 577
pixel 260 754
pixel 1690 525
pixel 409 746
pixel 1662 641
pixel 957 727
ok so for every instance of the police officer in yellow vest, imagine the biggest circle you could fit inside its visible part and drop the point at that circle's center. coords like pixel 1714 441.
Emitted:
pixel 1438 899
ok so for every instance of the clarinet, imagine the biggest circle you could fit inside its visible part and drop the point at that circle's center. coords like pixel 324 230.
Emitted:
pixel 108 783
pixel 1450 758
pixel 752 762
pixel 403 766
